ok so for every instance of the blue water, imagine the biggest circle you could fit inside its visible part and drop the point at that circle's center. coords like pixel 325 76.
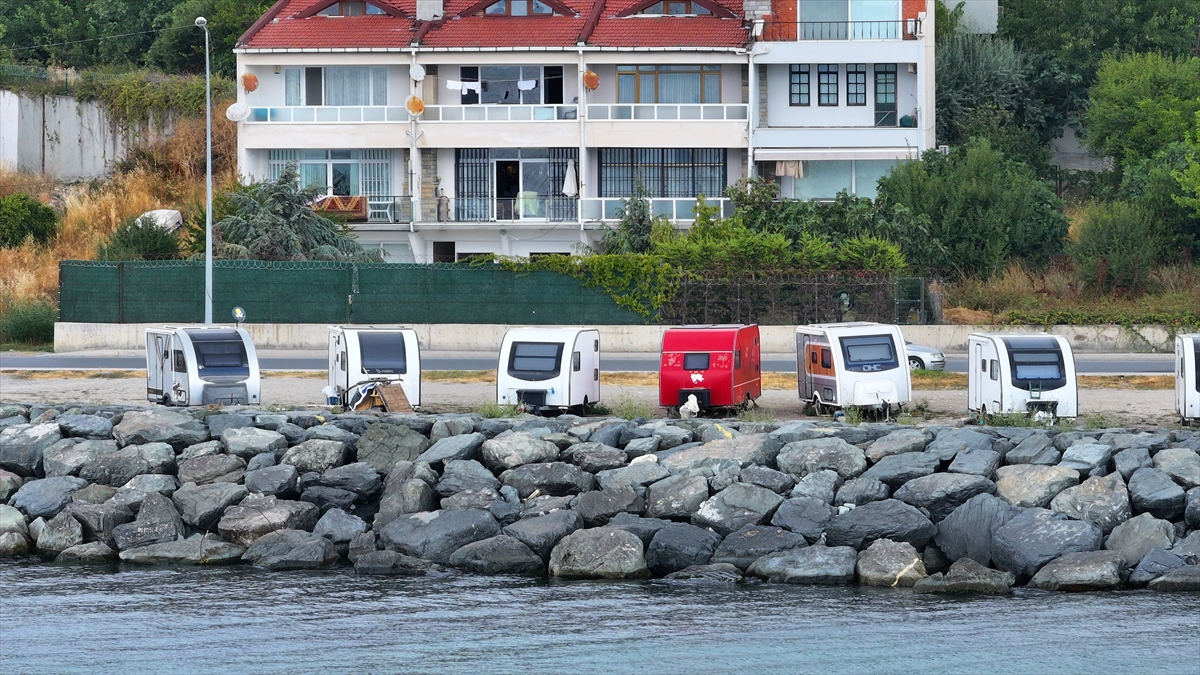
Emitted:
pixel 57 619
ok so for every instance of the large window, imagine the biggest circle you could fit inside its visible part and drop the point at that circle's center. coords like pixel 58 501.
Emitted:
pixel 382 353
pixel 335 85
pixel 340 172
pixel 824 179
pixel 827 84
pixel 849 19
pixel 676 8
pixel 856 84
pixel 870 353
pixel 885 94
pixel 535 361
pixel 513 184
pixel 351 8
pixel 518 8
pixel 798 75
pixel 507 85
pixel 662 172
pixel 668 84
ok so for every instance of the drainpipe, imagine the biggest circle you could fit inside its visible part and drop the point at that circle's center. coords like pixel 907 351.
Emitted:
pixel 414 157
pixel 752 121
pixel 581 113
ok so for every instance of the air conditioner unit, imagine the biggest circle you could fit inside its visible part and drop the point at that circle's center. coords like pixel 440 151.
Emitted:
pixel 944 149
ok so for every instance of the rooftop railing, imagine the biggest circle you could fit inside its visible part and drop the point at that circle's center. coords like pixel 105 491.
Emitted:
pixel 788 31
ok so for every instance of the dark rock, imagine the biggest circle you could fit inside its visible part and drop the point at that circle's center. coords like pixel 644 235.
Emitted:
pixel 804 457
pixel 450 427
pixel 679 545
pixel 1131 459
pixel 98 494
pixel 434 535
pixel 291 550
pixel 1036 536
pixel 98 520
pixel 157 522
pixel 139 427
pixel 497 555
pixel 1136 537
pixel 460 446
pixel 1153 565
pixel 953 441
pixel 896 470
pixel 212 469
pixel 9 484
pixel 201 506
pixel 465 474
pixel 934 559
pixel 631 433
pixel 46 497
pixel 670 437
pixel 60 533
pixel 217 424
pixel 1036 449
pixel 644 528
pixel 390 563
pixel 120 467
pixel 471 499
pixel 261 461
pixel 805 516
pixel 599 553
pixel 599 506
pixel 295 435
pixel 383 444
pixel 540 506
pixel 360 545
pixel 89 427
pixel 204 449
pixel 594 457
pixel 976 461
pixel 752 542
pixel 775 481
pixel 256 515
pixel 1153 492
pixel 968 531
pixel 808 565
pixel 722 573
pixel 554 478
pixel 92 552
pixel 333 432
pixel 887 519
pixel 941 493
pixel 637 474
pixel 967 576
pixel 898 443
pixel 891 564
pixel 1185 579
pixel 325 498
pixel 822 485
pixel 279 480
pixel 1081 571
pixel 358 478
pixel 1188 547
pixel 1120 440
pixel 1191 515
pixel 1181 464
pixel 643 446
pixel 676 497
pixel 21 452
pixel 163 484
pixel 1069 438
pixel 542 533
pixel 1031 485
pixel 859 491
pixel 735 507
pixel 247 442
pixel 609 435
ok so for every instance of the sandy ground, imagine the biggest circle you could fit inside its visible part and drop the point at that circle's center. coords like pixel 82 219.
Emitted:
pixel 1118 407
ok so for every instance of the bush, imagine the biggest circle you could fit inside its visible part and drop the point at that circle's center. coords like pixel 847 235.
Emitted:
pixel 28 323
pixel 140 239
pixel 870 253
pixel 1118 247
pixel 22 216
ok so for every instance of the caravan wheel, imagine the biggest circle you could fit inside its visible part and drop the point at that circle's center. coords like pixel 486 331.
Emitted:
pixel 818 407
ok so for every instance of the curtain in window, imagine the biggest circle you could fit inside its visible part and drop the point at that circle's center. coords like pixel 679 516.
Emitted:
pixel 347 86
pixel 678 87
pixel 379 86
pixel 291 86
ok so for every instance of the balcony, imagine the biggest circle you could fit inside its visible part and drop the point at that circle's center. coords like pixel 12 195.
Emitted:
pixel 667 112
pixel 499 113
pixel 529 211
pixel 328 114
pixel 790 31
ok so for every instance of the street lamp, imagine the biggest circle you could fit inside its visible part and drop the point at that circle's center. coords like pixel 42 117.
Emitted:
pixel 208 237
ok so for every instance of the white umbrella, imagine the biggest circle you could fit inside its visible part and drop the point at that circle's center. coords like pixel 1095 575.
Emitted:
pixel 570 182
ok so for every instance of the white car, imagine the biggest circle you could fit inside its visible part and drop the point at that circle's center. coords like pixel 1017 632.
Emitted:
pixel 921 357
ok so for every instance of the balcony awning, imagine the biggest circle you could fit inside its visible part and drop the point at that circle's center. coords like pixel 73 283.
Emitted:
pixel 816 154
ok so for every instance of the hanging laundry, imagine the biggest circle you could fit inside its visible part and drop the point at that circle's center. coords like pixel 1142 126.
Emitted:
pixel 526 85
pixel 470 86
pixel 453 84
pixel 791 167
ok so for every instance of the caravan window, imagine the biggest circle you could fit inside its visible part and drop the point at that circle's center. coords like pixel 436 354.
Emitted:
pixel 695 361
pixel 382 353
pixel 533 361
pixel 1196 363
pixel 870 353
pixel 1036 362
pixel 220 353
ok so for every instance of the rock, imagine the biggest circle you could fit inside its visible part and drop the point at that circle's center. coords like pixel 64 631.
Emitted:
pixel 822 485
pixel 120 467
pixel 1131 459
pixel 61 533
pixel 358 478
pixel 1036 449
pixel 898 443
pixel 139 427
pixel 256 515
pixel 434 535
pixel 1036 536
pixel 130 500
pixel 157 522
pixel 1181 464
pixel 805 516
pixel 35 528
pixel 1182 580
pixel 1154 564
pixel 643 528
pixel 500 554
pixel 332 432
pixel 212 469
pixel 1191 515
pixel 1186 547
pixel 270 422
pixel 744 450
pixel 98 494
pixel 808 565
pixel 599 506
pixel 555 478
pixel 676 497
pixel 775 481
pixel 1102 500
pixel 1069 438
pixel 593 457
pixel 218 424
pixel 723 573
pixel 638 474
pixel 163 484
pixel 294 434
pixel 887 519
pixel 360 545
pixel 1029 485
pixel 1153 492
pixel 752 542
pixel 890 563
pixel 471 499
pixel 325 498
pixel 465 474
pixel 390 563
pixel 12 520
pixel 405 496
pixel 450 427
pixel 735 507
pixel 599 553
pixel 247 442
pixel 1082 571
pixel 457 446
pixel 88 427
pixel 679 545
pixel 976 461
pixel 715 432
pixel 21 451
pixel 261 461
pixel 9 484
pixel 13 544
pixel 639 447
pixel 279 480
pixel 859 491
pixel 517 449
pixel 608 434
pixel 201 450
pixel 934 559
pixel 1134 538
pixel 92 552
pixel 201 506
pixel 98 520
pixel 896 470
pixel 316 455
pixel 291 550
pixel 1121 440
pixel 941 493
pixel 805 457
pixel 383 444
pixel 967 576
pixel 46 497
pixel 542 533
pixel 950 442
pixel 668 437
pixel 1087 458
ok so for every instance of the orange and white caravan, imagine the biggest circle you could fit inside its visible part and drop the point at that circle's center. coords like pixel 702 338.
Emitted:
pixel 858 364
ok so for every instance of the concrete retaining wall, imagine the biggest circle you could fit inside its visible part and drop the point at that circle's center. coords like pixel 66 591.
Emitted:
pixel 70 337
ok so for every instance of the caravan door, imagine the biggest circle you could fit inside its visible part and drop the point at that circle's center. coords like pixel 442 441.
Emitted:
pixel 158 365
pixel 977 369
pixel 178 373
pixel 585 369
pixel 804 381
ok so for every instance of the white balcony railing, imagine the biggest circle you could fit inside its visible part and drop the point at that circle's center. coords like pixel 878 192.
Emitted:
pixel 500 113
pixel 529 209
pixel 672 112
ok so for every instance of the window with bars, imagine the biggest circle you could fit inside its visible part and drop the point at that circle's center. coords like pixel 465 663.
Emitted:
pixel 474 187
pixel 885 94
pixel 339 172
pixel 856 84
pixel 354 85
pixel 668 84
pixel 662 172
pixel 798 78
pixel 827 84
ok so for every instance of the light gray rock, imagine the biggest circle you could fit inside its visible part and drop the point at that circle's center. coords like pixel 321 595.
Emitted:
pixel 92 552
pixel 599 553
pixel 941 493
pixel 12 520
pixel 1036 536
pixel 120 467
pixel 1153 492
pixel 157 425
pixel 1183 580
pixel 804 457
pixel 953 441
pixel 291 550
pixel 383 444
pixel 821 565
pixel 554 478
pixel 890 563
pixel 315 455
pixel 1134 538
pixel 976 461
pixel 1131 459
pixel 708 433
pixel 805 516
pixel 453 447
pixel 46 497
pixel 163 484
pixel 217 424
pixel 157 522
pixel 466 474
pixel 405 496
pixel 1181 464
pixel 638 474
pixel 886 519
pixel 898 443
pixel 1036 449
pixel 359 478
pixel 639 447
pixel 261 461
pixel 822 485
pixel 197 550
pixel 435 535
pixel 272 480
pixel 643 528
pixel 9 484
pixel 743 547
pixel 390 563
pixel 471 499
pixel 775 481
pixel 1186 547
pixel 61 533
pixel 201 506
pixel 679 545
pixel 88 427
pixel 449 427
pixel 21 451
pixel 201 450
pixel 599 506
pixel 859 491
pixel 1191 514
pixel 593 457
pixel 517 449
pixel 500 554
pixel 98 494
pixel 1081 571
pixel 745 450
pixel 246 442
pixel 256 515
pixel 1120 440
pixel 1030 485
pixel 1102 500
pixel 542 533
pixel 66 457
pixel 332 432
pixel 967 576
pixel 676 497
pixel 735 507
pixel 213 469
pixel 669 437
pixel 896 470
pixel 13 544
pixel 1087 458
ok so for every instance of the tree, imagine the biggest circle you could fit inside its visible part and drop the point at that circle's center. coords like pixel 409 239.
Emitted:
pixel 22 217
pixel 182 51
pixel 632 234
pixel 975 71
pixel 140 239
pixel 1119 245
pixel 1142 103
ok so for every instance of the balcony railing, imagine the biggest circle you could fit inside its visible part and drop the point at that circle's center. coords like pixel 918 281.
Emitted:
pixel 787 31
pixel 528 209
pixel 681 209
pixel 501 113
pixel 328 114
pixel 673 112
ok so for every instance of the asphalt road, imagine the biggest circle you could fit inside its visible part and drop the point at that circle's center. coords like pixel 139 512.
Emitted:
pixel 1086 364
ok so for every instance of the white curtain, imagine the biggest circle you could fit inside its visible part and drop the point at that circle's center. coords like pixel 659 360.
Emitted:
pixel 291 86
pixel 347 86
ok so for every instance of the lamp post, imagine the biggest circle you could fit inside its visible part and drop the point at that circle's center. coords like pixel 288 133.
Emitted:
pixel 208 235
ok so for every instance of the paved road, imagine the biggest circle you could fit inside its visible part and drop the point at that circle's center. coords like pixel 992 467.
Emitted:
pixel 1087 364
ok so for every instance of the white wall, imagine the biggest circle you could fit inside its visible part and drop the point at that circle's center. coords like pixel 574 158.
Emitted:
pixel 780 112
pixel 61 137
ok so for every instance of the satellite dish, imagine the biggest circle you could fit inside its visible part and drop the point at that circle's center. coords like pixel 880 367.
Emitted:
pixel 591 80
pixel 414 105
pixel 237 112
pixel 417 72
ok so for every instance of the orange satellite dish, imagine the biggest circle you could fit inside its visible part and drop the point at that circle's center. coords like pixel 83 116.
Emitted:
pixel 414 105
pixel 591 80
pixel 250 81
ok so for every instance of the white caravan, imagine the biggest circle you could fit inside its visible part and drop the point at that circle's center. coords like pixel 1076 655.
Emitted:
pixel 200 365
pixel 1187 382
pixel 1014 373
pixel 549 368
pixel 364 356
pixel 859 364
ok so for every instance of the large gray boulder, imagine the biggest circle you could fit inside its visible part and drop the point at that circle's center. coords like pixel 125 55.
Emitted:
pixel 256 515
pixel 157 425
pixel 735 507
pixel 359 478
pixel 21 451
pixel 517 449
pixel 14 544
pixel 291 550
pixel 99 520
pixel 941 493
pixel 1029 485
pixel 465 474
pixel 1102 500
pixel 460 446
pixel 898 442
pixel 599 553
pixel 670 436
pixel 87 427
pixel 1081 571
pixel 676 497
pixel 1191 514
pixel 60 533
pixel 98 494
pixel 279 480
pixel 1121 440
pixel 212 469
pixel 315 455
pixel 1036 449
pixel 969 529
pixel 752 542
pixel 804 457
pixel 775 481
pixel 1087 458
pixel 805 516
pixel 435 535
pixel 198 549
pixel 833 565
pixel 333 432
pixel 404 496
pixel 472 499
pixel 638 447
pixel 157 522
pixel 715 573
pixel 12 520
pixel 200 450
pixel 643 528
pixel 390 563
pixel 859 491
pixel 1129 460
pixel 976 461
pixel 500 554
pixel 744 450
pixel 896 470
pixel 950 442
pixel 163 484
pixel 1136 537
pixel 554 478
pixel 1153 492
pixel 448 427
pixel 9 484
pixel 636 475
pixel 217 424
pixel 679 545
pixel 246 442
pixel 542 533
pixel 1183 580
pixel 594 457
pixel 118 468
pixel 1153 565
pixel 890 563
pixel 46 497
pixel 201 506
pixel 383 444
pixel 967 576
pixel 822 485
pixel 92 552
pixel 1036 536
pixel 1181 464
pixel 887 519
pixel 599 506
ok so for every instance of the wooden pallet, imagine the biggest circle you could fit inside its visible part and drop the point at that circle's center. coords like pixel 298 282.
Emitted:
pixel 393 398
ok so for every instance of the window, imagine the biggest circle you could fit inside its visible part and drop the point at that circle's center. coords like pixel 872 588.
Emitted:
pixel 826 358
pixel 827 84
pixel 1036 363
pixel 351 8
pixel 180 363
pixel 220 353
pixel 355 85
pixel 518 8
pixel 856 84
pixel 676 8
pixel 575 362
pixel 737 360
pixel 885 94
pixel 668 84
pixel 870 353
pixel 382 353
pixel 823 179
pixel 814 358
pixel 695 361
pixel 507 85
pixel 662 172
pixel 799 84
pixel 849 19
pixel 533 361
pixel 995 369
pixel 341 172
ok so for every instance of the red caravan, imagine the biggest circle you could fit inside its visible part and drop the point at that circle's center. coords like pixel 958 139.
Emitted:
pixel 720 365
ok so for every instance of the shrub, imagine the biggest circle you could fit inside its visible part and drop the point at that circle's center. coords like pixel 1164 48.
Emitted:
pixel 1118 247
pixel 870 253
pixel 29 323
pixel 140 239
pixel 22 216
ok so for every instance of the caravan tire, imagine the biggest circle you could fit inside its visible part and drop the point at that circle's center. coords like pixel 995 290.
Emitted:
pixel 818 407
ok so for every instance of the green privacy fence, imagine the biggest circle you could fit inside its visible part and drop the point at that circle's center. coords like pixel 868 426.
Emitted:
pixel 327 292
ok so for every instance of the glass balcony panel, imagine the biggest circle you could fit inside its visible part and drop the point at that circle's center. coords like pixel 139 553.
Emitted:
pixel 474 114
pixel 689 112
pixel 327 114
pixel 303 114
pixel 351 114
pixel 714 112
pixel 643 112
pixel 281 114
pixel 374 114
pixel 521 112
pixel 597 112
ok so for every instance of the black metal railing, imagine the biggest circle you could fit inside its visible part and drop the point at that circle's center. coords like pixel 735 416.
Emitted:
pixel 787 31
